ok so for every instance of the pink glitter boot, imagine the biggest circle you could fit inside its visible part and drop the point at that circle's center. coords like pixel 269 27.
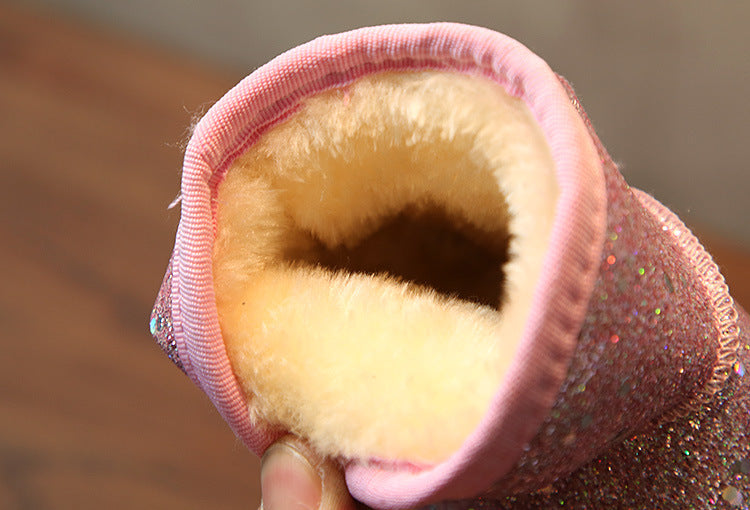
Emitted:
pixel 407 245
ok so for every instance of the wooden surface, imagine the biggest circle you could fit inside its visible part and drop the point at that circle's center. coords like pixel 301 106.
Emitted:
pixel 92 415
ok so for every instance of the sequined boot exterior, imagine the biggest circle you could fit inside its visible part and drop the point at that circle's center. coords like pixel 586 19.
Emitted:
pixel 407 245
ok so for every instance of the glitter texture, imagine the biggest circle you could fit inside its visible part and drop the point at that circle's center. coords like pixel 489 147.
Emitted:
pixel 699 461
pixel 655 408
pixel 661 358
pixel 160 324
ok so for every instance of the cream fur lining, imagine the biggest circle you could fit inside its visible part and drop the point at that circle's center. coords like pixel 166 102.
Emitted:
pixel 375 260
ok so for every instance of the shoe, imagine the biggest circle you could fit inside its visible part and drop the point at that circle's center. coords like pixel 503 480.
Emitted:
pixel 407 245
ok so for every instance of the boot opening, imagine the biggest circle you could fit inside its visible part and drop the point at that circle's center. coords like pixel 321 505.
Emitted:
pixel 375 259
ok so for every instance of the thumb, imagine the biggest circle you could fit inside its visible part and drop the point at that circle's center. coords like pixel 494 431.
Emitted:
pixel 294 477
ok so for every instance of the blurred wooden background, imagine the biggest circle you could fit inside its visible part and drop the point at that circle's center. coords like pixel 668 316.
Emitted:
pixel 92 415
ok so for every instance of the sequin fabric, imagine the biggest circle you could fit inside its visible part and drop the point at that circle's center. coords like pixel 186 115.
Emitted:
pixel 160 323
pixel 700 461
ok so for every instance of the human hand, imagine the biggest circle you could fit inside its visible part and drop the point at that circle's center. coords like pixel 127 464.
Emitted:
pixel 294 477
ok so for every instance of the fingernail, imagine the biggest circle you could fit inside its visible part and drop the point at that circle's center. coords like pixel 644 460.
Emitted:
pixel 288 481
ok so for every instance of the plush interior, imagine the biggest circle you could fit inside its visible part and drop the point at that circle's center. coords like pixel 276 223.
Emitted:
pixel 375 259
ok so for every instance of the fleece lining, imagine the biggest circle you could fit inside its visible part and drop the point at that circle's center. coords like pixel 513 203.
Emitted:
pixel 375 259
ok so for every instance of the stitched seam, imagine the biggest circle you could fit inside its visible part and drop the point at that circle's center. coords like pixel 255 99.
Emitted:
pixel 724 314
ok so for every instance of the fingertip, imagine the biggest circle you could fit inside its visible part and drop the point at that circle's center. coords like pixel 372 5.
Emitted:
pixel 294 477
pixel 288 480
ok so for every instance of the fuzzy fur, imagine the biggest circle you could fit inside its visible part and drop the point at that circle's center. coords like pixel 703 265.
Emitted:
pixel 329 340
